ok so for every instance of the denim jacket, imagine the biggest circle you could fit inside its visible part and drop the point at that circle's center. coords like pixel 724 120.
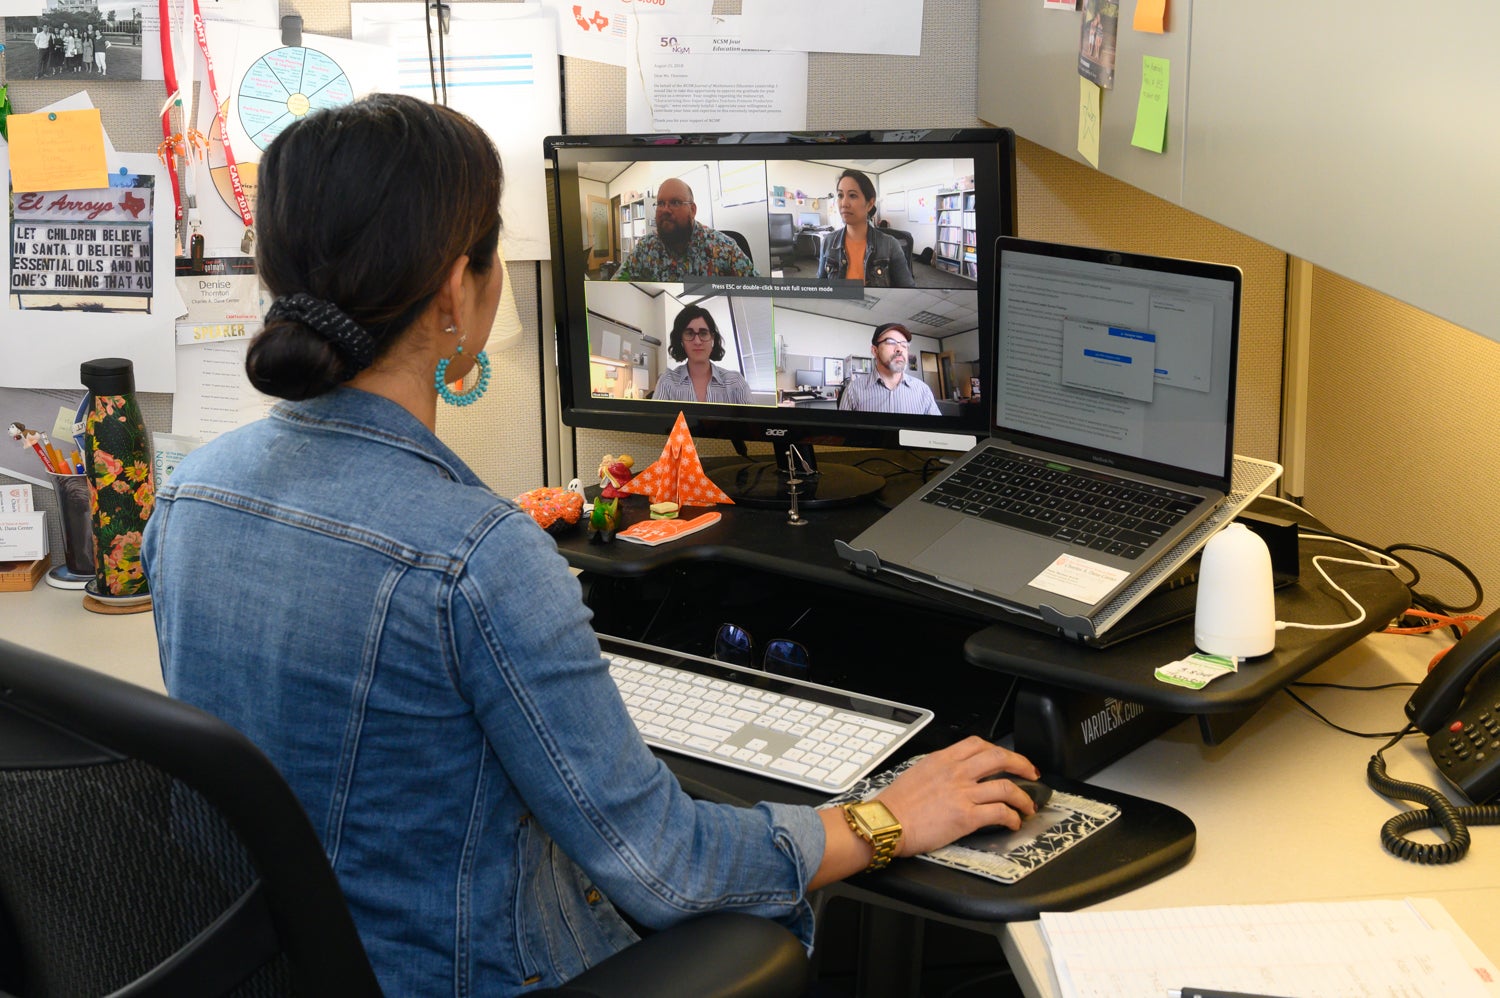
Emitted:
pixel 885 259
pixel 414 655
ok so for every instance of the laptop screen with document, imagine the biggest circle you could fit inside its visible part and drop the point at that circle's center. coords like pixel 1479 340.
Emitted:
pixel 1111 446
pixel 1129 360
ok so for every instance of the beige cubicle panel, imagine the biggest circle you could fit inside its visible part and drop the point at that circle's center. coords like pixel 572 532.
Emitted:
pixel 1349 133
pixel 1028 80
pixel 1352 136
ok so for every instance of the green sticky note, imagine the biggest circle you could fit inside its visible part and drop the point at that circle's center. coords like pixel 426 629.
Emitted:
pixel 1151 112
pixel 1088 120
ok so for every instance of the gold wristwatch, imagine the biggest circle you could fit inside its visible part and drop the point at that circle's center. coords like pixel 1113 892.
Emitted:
pixel 874 822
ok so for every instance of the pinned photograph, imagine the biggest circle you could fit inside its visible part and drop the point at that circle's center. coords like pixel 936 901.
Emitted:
pixel 80 41
pixel 1096 42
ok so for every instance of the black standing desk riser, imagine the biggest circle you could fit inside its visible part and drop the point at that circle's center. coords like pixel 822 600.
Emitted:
pixel 777 580
pixel 796 566
pixel 755 569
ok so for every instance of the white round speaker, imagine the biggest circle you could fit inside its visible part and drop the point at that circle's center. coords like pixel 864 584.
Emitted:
pixel 1236 614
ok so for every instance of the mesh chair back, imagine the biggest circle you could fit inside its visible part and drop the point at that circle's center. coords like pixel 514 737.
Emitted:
pixel 147 848
pixel 109 869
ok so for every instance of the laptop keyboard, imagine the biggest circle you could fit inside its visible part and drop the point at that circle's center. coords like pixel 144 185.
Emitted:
pixel 1093 510
pixel 784 729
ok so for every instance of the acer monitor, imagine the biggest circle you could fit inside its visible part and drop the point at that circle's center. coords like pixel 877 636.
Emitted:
pixel 662 242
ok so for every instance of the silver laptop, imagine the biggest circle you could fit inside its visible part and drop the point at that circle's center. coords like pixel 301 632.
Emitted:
pixel 1111 439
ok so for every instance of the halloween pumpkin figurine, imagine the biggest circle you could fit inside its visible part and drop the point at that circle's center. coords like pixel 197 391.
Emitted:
pixel 614 472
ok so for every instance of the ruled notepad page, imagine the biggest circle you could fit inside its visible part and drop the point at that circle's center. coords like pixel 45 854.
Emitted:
pixel 1307 949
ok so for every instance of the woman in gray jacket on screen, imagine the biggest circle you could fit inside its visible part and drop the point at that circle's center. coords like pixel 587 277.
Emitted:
pixel 860 251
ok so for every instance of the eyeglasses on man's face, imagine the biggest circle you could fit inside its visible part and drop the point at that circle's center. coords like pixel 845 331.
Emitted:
pixel 893 341
pixel 674 203
pixel 697 334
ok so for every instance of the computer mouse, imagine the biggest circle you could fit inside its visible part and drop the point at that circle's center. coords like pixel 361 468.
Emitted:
pixel 1038 791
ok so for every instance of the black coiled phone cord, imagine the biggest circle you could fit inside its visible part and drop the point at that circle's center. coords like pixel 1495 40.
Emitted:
pixel 1439 812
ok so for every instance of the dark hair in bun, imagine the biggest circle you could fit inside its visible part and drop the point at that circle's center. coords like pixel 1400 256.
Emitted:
pixel 361 211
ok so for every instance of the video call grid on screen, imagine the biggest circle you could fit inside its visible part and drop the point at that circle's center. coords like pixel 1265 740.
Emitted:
pixel 938 204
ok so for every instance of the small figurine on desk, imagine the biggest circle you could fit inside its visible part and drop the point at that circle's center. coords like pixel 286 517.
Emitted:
pixel 614 472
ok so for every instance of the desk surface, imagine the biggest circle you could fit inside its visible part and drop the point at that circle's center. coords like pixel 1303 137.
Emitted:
pixel 1284 813
pixel 54 621
pixel 1282 810
pixel 1126 669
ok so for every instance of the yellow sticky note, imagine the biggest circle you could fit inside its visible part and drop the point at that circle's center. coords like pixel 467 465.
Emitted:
pixel 57 151
pixel 1151 111
pixel 1088 120
pixel 1150 15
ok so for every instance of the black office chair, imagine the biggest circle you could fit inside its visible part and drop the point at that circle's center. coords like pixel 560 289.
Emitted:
pixel 906 241
pixel 149 849
pixel 739 237
pixel 783 241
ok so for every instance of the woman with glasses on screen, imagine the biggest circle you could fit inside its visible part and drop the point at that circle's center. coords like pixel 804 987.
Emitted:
pixel 410 649
pixel 860 251
pixel 695 338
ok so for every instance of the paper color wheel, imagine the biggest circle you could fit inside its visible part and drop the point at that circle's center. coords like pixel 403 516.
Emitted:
pixel 284 85
pixel 219 170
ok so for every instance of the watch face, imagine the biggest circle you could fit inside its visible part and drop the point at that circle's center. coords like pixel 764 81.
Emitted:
pixel 875 816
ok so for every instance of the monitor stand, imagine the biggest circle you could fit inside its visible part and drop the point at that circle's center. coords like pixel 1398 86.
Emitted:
pixel 764 482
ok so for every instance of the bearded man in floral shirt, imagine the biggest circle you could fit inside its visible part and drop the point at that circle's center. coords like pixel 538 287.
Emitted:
pixel 681 247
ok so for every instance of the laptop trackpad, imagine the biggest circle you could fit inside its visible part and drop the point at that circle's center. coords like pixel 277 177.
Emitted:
pixel 969 555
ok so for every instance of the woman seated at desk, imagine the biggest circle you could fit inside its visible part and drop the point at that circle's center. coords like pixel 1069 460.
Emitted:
pixel 410 650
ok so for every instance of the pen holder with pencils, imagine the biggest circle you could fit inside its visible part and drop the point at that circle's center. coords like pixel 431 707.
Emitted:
pixel 77 568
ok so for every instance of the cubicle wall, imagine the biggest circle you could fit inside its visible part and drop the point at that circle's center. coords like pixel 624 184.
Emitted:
pixel 1352 422
pixel 1348 133
pixel 514 449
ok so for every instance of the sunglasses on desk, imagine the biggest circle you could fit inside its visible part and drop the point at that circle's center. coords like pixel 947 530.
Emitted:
pixel 781 656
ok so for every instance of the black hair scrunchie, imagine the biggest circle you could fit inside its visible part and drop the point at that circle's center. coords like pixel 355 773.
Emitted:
pixel 329 322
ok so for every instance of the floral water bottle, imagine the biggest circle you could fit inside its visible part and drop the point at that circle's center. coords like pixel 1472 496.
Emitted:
pixel 122 492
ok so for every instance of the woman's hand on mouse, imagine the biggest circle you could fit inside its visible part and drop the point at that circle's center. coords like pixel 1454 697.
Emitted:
pixel 945 796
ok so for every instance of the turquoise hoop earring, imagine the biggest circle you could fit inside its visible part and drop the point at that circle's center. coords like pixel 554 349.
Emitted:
pixel 473 394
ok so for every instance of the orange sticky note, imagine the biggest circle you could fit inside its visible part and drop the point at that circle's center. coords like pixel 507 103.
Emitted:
pixel 57 151
pixel 1150 15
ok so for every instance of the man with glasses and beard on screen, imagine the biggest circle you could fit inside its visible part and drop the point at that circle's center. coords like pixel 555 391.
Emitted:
pixel 681 247
pixel 889 388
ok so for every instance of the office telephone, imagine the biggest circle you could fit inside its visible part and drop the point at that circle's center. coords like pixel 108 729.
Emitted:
pixel 1458 707
pixel 1463 728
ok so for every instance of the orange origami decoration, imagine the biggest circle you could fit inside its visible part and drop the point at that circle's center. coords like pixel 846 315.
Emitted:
pixel 677 476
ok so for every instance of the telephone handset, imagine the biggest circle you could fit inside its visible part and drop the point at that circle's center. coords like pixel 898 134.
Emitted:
pixel 1464 728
